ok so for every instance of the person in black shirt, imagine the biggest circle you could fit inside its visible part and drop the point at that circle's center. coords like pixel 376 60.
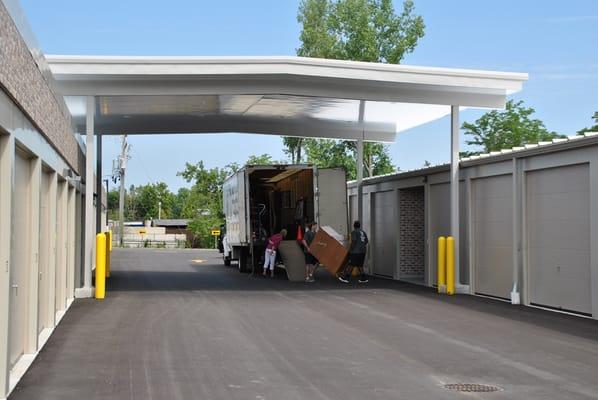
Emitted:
pixel 357 250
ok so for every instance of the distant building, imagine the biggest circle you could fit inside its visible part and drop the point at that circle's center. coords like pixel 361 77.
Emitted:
pixel 177 226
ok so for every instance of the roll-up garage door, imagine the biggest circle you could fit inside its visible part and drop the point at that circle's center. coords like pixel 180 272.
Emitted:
pixel 440 225
pixel 558 237
pixel 384 241
pixel 493 235
pixel 440 222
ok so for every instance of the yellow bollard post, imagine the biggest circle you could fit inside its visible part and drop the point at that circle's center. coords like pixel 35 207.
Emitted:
pixel 441 264
pixel 450 265
pixel 100 266
pixel 108 256
pixel 109 233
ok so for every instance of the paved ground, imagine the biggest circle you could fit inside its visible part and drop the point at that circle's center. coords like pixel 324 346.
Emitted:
pixel 172 328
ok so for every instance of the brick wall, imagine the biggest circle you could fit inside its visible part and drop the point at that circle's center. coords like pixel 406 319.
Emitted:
pixel 21 79
pixel 412 232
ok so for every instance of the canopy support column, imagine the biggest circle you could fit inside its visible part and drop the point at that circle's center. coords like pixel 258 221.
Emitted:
pixel 454 190
pixel 99 185
pixel 360 166
pixel 89 231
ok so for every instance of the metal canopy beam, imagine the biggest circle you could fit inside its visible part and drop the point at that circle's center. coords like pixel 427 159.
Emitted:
pixel 378 132
pixel 298 86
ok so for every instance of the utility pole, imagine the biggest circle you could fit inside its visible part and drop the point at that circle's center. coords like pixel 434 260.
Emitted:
pixel 159 210
pixel 122 166
pixel 107 194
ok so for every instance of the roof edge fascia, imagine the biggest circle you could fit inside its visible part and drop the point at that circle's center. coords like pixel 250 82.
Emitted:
pixel 288 60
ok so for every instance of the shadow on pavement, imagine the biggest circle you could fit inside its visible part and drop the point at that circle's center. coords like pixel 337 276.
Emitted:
pixel 219 278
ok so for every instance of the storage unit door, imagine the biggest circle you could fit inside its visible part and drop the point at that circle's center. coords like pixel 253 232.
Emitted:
pixel 440 223
pixel 70 276
pixel 61 232
pixel 20 258
pixel 44 254
pixel 558 238
pixel 493 235
pixel 384 240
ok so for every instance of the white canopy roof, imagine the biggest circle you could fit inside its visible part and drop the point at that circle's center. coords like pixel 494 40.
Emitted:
pixel 291 96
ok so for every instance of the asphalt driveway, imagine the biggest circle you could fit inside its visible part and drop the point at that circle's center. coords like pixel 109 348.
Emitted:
pixel 180 325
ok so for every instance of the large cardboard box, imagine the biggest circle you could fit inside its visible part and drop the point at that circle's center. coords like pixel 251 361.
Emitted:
pixel 330 248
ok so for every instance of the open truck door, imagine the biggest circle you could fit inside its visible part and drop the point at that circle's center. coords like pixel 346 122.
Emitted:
pixel 330 187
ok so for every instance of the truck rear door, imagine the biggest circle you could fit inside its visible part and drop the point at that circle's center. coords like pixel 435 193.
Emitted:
pixel 331 198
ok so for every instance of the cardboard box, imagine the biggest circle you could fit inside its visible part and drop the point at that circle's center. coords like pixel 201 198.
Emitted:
pixel 330 249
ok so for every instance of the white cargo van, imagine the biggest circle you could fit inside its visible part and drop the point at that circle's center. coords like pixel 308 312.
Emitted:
pixel 260 200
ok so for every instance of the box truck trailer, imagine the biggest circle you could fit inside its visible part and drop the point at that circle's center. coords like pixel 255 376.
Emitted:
pixel 260 200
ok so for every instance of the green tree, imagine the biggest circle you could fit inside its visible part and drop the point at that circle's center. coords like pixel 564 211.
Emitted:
pixel 326 153
pixel 503 129
pixel 358 30
pixel 113 197
pixel 131 203
pixel 179 202
pixel 146 201
pixel 264 159
pixel 592 128
pixel 203 203
pixel 293 147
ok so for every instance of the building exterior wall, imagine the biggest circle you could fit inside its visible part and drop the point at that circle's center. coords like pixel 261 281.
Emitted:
pixel 501 239
pixel 23 80
pixel 39 156
pixel 412 233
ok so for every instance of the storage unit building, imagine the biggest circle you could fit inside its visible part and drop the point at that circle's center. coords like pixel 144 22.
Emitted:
pixel 528 218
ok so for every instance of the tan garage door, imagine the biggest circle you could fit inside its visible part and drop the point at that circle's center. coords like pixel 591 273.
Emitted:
pixel 45 253
pixel 440 225
pixel 440 222
pixel 61 246
pixel 558 238
pixel 20 257
pixel 493 235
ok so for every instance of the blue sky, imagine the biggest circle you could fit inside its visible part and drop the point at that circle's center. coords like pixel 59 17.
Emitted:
pixel 554 41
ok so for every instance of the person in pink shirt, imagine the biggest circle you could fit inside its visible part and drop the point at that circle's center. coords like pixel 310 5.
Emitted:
pixel 271 248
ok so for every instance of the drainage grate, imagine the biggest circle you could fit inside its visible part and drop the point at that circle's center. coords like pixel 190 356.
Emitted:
pixel 471 387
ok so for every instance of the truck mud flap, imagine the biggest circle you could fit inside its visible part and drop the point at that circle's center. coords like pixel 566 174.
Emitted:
pixel 293 259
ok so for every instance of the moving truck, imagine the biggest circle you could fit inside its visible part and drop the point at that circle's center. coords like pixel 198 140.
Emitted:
pixel 260 200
